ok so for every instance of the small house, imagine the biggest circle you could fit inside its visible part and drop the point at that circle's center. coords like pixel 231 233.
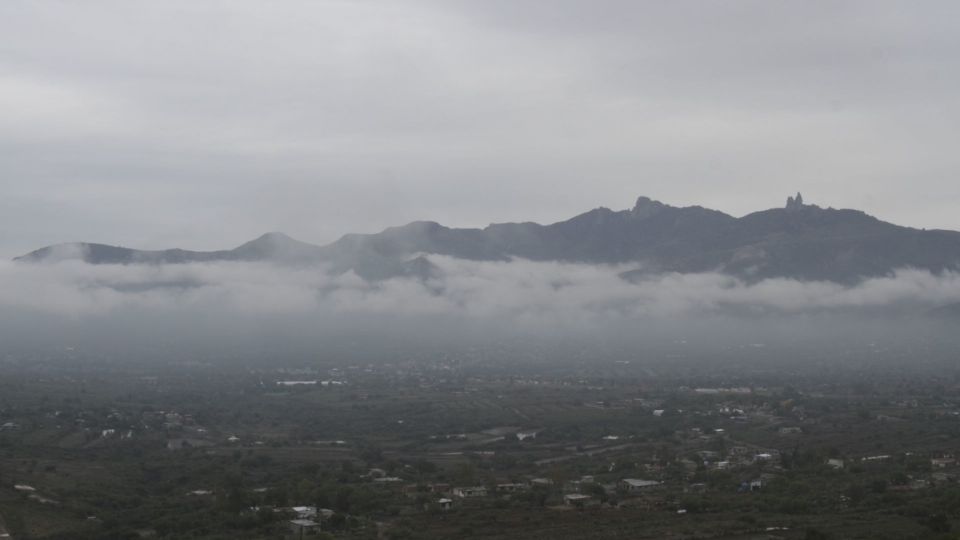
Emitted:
pixel 577 500
pixel 524 435
pixel 835 463
pixel 304 512
pixel 304 527
pixel 541 482
pixel 387 480
pixel 635 485
pixel 470 492
pixel 942 462
pixel 511 488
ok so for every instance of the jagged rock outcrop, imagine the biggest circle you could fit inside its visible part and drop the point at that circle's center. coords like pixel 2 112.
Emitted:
pixel 795 203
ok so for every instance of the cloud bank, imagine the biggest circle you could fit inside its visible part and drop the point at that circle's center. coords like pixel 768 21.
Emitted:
pixel 516 292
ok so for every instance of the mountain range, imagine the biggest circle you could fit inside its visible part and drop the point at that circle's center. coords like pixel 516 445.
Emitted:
pixel 798 241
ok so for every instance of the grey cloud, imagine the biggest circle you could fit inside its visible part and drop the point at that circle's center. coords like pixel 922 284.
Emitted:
pixel 528 294
pixel 206 124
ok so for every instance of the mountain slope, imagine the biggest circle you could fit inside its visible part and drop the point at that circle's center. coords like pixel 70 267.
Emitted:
pixel 798 241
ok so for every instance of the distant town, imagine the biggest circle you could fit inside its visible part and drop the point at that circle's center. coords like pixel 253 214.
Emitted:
pixel 460 446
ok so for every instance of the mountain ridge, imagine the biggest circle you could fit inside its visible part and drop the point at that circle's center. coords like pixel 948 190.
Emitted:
pixel 798 241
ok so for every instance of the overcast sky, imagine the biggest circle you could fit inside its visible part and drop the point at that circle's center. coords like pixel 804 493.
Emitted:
pixel 202 124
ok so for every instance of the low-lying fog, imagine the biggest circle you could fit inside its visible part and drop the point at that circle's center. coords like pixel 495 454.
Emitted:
pixel 468 300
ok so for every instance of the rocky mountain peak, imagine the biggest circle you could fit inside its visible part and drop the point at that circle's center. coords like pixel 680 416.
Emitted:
pixel 647 207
